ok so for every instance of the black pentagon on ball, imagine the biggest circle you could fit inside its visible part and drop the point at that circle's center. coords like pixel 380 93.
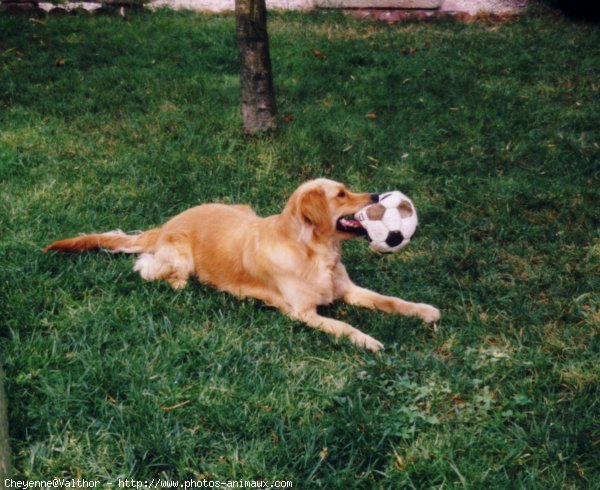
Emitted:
pixel 394 239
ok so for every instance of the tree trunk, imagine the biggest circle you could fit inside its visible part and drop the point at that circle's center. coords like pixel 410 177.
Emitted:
pixel 259 109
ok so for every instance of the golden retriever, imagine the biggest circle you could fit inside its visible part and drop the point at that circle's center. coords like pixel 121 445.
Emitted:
pixel 290 260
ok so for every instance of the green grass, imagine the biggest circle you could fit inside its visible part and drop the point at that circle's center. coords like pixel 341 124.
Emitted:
pixel 494 130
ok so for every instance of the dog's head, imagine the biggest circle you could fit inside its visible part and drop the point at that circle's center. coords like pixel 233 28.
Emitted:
pixel 326 208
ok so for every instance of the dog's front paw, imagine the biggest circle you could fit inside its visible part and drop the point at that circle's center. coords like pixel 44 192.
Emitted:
pixel 428 313
pixel 363 340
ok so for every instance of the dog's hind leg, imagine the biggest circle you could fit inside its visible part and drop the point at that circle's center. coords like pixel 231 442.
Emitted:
pixel 172 261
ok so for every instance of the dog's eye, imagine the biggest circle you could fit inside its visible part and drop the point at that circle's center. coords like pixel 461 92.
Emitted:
pixel 341 194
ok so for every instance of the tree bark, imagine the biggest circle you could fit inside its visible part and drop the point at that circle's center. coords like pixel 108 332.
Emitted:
pixel 259 109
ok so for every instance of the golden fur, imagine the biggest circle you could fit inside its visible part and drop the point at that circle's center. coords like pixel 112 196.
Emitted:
pixel 290 260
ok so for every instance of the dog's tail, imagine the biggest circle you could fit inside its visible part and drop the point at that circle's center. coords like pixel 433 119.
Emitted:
pixel 114 241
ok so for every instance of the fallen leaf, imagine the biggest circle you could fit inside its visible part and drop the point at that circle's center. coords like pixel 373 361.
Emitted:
pixel 371 115
pixel 458 400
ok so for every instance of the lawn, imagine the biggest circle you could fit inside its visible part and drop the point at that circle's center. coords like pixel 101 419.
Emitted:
pixel 492 129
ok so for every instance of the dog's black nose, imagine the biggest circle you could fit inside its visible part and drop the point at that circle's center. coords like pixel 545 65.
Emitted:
pixel 375 197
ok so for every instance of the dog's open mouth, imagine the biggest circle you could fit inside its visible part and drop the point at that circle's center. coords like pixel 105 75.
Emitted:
pixel 348 224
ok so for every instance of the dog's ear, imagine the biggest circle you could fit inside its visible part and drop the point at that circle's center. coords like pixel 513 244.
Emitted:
pixel 315 210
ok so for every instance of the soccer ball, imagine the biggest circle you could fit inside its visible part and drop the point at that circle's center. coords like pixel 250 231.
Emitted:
pixel 390 223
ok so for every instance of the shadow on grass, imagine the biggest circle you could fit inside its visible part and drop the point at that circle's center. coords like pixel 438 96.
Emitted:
pixel 5 455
